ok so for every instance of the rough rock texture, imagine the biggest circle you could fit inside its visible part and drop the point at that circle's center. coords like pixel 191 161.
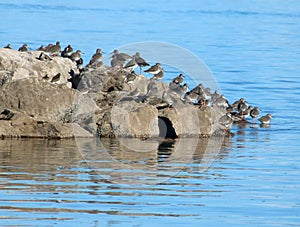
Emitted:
pixel 37 98
pixel 15 65
pixel 130 119
pixel 101 102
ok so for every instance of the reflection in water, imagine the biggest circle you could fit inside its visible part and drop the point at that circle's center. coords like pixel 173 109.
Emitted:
pixel 51 176
pixel 153 163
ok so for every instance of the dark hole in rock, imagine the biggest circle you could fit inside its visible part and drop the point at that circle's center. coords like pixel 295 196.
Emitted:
pixel 166 129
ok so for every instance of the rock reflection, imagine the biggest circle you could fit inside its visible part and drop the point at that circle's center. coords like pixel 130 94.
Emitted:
pixel 151 161
pixel 27 163
pixel 52 176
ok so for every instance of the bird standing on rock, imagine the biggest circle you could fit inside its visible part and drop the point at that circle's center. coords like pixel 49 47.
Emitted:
pixel 237 103
pixel 97 57
pixel 154 69
pixel 131 65
pixel 76 56
pixel 182 90
pixel 178 79
pixel 44 57
pixel 159 76
pixel 54 50
pixel 41 48
pixel 23 48
pixel 8 46
pixel 199 89
pixel 140 61
pixel 116 63
pixel 246 113
pixel 222 102
pixel 215 95
pixel 121 56
pixel 242 106
pixel 175 83
pixel 191 97
pixel 67 52
pixel 226 121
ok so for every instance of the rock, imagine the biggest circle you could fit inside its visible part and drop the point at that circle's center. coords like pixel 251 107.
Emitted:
pixel 101 101
pixel 131 119
pixel 22 65
pixel 42 100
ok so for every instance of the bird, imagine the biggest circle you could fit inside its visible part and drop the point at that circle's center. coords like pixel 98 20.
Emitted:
pixel 198 89
pixel 206 94
pixel 222 102
pixel 116 63
pixel 182 90
pixel 131 65
pixel 237 103
pixel 44 57
pixel 140 61
pixel 130 78
pixel 67 52
pixel 8 46
pixel 184 87
pixel 173 85
pixel 226 121
pixel 54 49
pixel 265 119
pixel 242 106
pixel 191 97
pixel 41 48
pixel 121 56
pixel 254 113
pixel 159 75
pixel 76 56
pixel 154 69
pixel 23 48
pixel 56 78
pixel 97 57
pixel 98 64
pixel 246 113
pixel 79 64
pixel 215 95
pixel 178 79
pixel 48 47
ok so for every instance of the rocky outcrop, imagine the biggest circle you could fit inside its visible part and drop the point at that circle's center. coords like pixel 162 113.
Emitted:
pixel 50 98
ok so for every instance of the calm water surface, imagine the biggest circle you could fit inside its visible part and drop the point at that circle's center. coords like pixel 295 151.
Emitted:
pixel 253 49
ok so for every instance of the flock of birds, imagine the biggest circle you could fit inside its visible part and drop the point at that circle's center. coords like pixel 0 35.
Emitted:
pixel 238 111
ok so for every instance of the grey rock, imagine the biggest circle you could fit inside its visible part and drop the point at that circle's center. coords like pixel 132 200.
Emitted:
pixel 100 101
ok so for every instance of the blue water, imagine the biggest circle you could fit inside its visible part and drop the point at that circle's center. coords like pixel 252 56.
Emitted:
pixel 253 50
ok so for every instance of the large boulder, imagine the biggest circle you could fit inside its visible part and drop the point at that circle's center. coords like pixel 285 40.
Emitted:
pixel 132 119
pixel 106 101
pixel 36 98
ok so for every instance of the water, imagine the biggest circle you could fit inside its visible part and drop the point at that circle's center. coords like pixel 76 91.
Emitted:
pixel 252 48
